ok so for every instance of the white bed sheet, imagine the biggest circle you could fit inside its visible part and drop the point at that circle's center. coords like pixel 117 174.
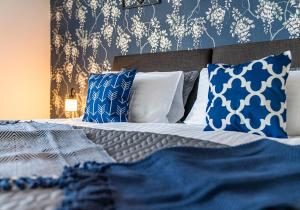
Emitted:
pixel 191 131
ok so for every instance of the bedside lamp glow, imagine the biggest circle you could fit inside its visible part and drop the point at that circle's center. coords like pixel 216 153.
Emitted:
pixel 71 105
pixel 71 102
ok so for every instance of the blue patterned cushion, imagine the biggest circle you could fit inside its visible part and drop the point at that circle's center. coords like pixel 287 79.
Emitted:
pixel 249 97
pixel 108 97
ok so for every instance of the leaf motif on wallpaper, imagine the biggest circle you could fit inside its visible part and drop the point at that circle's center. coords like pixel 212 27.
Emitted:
pixel 197 29
pixel 296 4
pixel 107 32
pixel 81 79
pixel 57 16
pixel 293 25
pixel 227 4
pixel 95 41
pixel 94 5
pixel 81 15
pixel 82 39
pixel 111 14
pixel 93 66
pixel 158 38
pixel 57 76
pixel 241 26
pixel 69 70
pixel 106 65
pixel 68 6
pixel 176 4
pixel 216 16
pixel 139 29
pixel 81 99
pixel 268 12
pixel 123 40
pixel 111 11
pixel 57 40
pixel 165 43
pixel 57 101
pixel 177 27
pixel 70 49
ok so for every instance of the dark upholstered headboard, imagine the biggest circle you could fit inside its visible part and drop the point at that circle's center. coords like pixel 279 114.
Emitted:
pixel 197 59
pixel 235 54
pixel 165 61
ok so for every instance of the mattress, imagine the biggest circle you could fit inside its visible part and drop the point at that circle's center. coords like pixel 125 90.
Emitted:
pixel 229 138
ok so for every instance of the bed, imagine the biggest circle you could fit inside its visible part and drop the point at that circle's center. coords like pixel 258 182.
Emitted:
pixel 124 142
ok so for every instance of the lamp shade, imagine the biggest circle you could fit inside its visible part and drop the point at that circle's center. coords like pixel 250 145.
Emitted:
pixel 71 105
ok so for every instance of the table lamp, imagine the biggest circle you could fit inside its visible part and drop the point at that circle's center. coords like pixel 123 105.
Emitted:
pixel 71 103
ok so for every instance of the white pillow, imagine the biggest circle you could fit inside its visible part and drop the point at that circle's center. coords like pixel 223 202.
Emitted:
pixel 197 115
pixel 157 97
pixel 293 103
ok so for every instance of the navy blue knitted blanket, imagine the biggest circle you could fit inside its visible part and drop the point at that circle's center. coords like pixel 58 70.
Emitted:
pixel 257 176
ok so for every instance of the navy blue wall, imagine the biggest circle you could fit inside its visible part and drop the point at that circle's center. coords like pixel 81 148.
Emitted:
pixel 87 34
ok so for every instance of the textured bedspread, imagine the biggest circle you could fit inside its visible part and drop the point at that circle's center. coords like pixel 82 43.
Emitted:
pixel 129 146
pixel 256 176
pixel 33 138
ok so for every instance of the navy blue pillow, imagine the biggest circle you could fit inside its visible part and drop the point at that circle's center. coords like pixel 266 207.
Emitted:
pixel 249 97
pixel 108 97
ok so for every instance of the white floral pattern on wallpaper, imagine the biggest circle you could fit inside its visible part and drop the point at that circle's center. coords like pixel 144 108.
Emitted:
pixel 87 34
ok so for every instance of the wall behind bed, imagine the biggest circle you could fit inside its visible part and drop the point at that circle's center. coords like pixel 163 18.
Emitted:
pixel 87 34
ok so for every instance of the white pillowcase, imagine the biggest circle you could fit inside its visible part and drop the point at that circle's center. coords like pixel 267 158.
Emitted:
pixel 293 103
pixel 157 97
pixel 197 115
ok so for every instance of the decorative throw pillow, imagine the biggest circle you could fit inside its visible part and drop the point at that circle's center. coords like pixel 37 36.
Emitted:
pixel 249 97
pixel 190 78
pixel 157 97
pixel 108 97
pixel 197 115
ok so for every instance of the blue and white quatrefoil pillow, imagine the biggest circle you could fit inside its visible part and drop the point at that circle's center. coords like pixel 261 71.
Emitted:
pixel 108 97
pixel 249 97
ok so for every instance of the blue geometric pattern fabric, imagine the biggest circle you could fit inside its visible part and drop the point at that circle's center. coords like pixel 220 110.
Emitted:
pixel 108 97
pixel 249 97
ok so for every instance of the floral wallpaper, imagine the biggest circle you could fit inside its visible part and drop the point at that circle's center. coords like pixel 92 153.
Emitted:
pixel 87 34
